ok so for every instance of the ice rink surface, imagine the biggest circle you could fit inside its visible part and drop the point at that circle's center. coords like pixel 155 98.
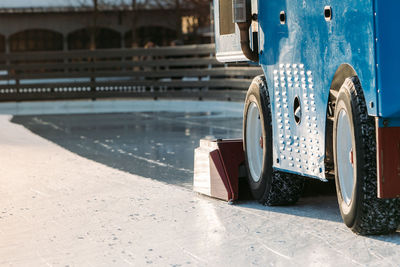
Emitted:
pixel 65 204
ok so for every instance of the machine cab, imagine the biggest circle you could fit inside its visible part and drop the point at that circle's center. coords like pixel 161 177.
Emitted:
pixel 227 13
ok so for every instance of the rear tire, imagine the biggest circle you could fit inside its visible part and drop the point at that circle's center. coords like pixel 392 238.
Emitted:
pixel 268 186
pixel 354 148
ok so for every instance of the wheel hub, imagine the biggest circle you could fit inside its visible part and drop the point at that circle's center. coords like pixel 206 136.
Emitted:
pixel 345 157
pixel 254 142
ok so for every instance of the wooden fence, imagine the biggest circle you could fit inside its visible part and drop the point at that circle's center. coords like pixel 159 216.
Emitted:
pixel 177 72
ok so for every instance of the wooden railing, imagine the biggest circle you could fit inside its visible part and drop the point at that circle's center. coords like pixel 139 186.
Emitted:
pixel 178 72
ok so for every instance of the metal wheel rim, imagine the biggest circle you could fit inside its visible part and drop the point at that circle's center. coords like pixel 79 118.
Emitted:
pixel 253 149
pixel 345 156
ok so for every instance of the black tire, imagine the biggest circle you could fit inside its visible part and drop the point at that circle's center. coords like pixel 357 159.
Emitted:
pixel 362 212
pixel 270 187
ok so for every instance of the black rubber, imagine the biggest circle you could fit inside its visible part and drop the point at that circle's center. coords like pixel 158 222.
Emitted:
pixel 273 188
pixel 366 214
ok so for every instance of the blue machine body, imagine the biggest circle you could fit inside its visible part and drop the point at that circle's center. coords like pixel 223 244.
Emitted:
pixel 308 55
pixel 388 58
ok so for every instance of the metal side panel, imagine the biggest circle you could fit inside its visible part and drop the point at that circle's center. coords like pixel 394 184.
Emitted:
pixel 388 57
pixel 300 56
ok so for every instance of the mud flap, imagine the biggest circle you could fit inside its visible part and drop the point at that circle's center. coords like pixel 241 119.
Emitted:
pixel 216 168
pixel 388 155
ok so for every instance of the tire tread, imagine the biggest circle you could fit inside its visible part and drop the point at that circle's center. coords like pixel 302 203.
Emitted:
pixel 282 188
pixel 285 189
pixel 375 216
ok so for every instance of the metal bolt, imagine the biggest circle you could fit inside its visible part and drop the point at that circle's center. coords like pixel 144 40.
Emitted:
pixel 386 123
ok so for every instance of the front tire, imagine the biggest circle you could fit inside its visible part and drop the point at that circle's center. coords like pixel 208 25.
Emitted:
pixel 354 148
pixel 268 186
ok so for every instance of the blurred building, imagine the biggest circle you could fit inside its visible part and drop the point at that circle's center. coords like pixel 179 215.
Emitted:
pixel 69 28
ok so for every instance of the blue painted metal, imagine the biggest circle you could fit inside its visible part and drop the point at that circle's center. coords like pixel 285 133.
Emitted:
pixel 301 57
pixel 388 58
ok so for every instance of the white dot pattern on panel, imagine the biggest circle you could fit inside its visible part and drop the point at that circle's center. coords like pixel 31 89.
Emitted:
pixel 299 152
